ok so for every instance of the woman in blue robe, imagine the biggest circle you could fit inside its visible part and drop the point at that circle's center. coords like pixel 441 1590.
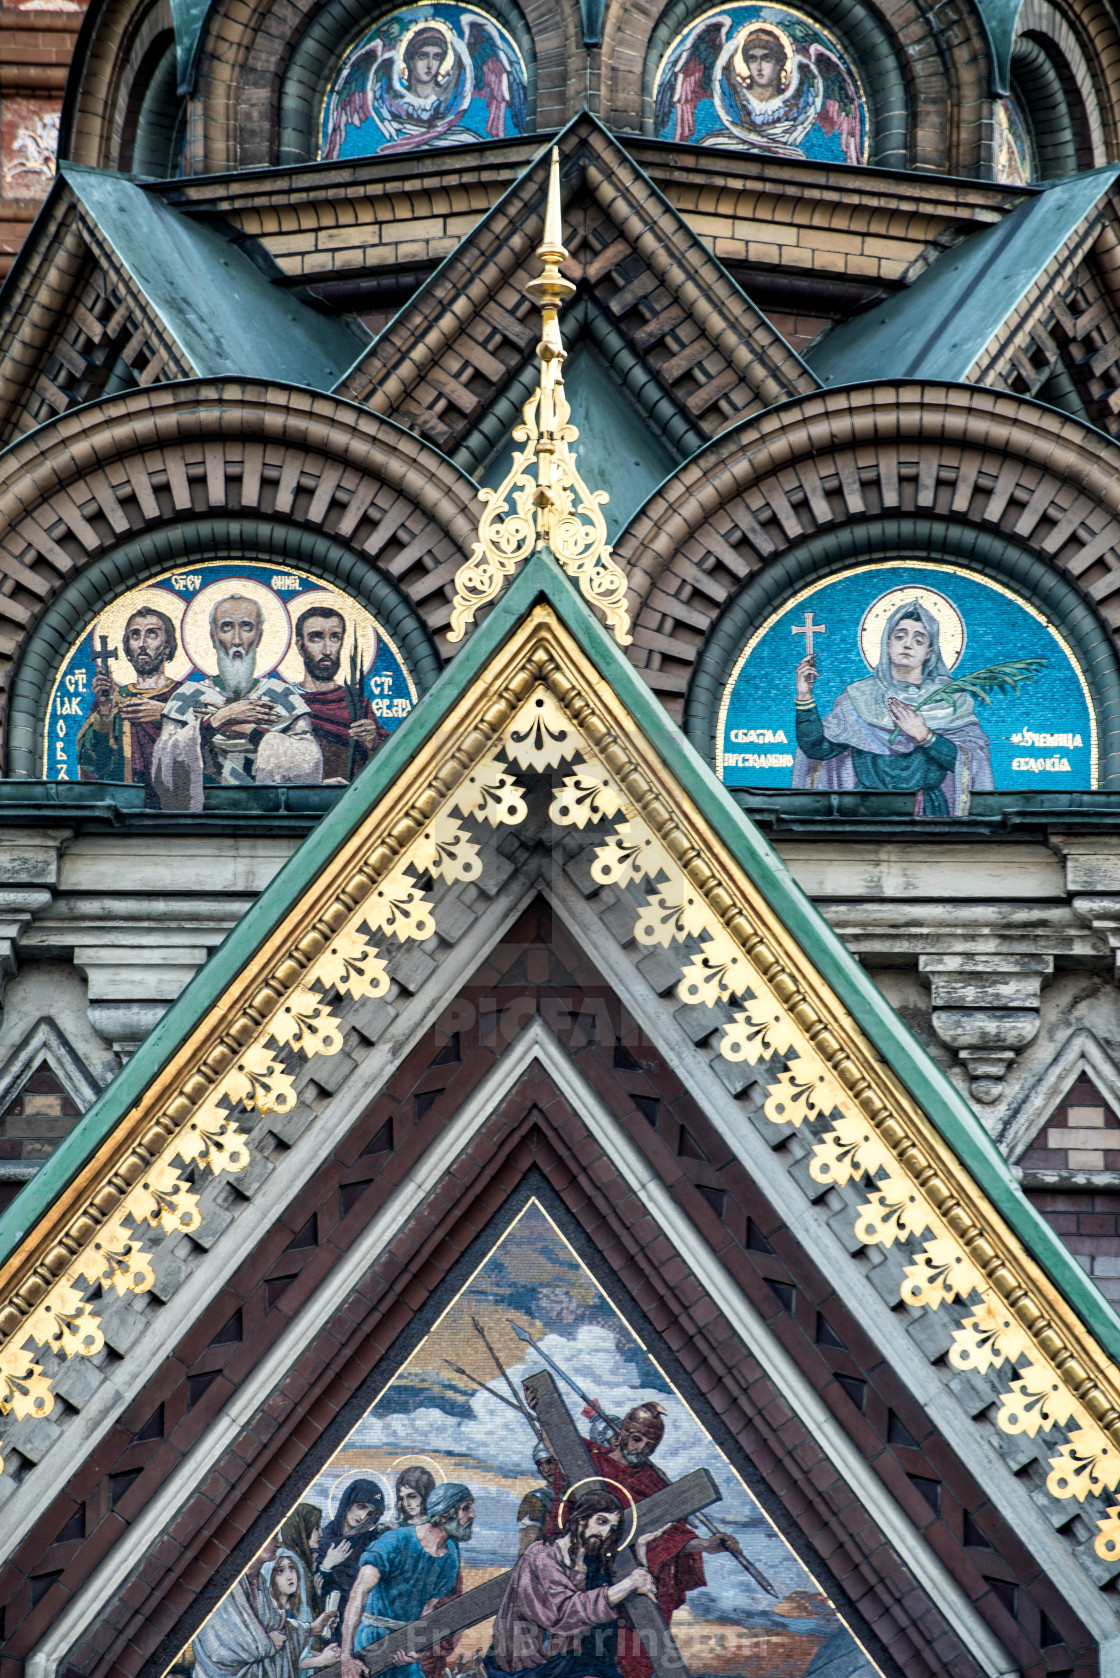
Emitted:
pixel 884 735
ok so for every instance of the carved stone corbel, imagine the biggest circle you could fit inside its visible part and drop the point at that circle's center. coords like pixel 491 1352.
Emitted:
pixel 986 1008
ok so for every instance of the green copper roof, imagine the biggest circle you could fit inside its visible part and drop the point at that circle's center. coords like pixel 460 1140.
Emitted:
pixel 216 304
pixel 937 327
pixel 542 580
pixel 999 18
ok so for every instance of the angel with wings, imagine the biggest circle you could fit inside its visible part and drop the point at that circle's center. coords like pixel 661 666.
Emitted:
pixel 448 77
pixel 742 78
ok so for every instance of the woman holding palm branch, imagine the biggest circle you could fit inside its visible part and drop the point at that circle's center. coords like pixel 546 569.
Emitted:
pixel 907 728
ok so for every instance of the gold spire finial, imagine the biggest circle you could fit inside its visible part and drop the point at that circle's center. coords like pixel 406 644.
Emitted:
pixel 557 510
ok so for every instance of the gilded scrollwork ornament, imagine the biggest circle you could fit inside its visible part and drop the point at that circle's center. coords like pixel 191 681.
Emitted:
pixel 553 510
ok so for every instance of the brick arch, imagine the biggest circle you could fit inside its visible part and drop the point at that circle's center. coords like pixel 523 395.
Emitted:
pixel 246 52
pixel 846 457
pixel 146 461
pixel 1084 43
pixel 945 72
pixel 111 59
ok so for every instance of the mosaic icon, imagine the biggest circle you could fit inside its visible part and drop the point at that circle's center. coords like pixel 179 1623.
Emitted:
pixel 453 1535
pixel 225 675
pixel 425 76
pixel 916 679
pixel 762 78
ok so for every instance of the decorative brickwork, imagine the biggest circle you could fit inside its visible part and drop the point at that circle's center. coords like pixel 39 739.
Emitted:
pixel 535 971
pixel 714 358
pixel 154 456
pixel 845 457
pixel 1081 1137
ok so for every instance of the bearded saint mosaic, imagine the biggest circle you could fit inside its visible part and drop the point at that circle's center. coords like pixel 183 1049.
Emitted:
pixel 762 78
pixel 917 679
pixel 425 76
pixel 449 1490
pixel 225 675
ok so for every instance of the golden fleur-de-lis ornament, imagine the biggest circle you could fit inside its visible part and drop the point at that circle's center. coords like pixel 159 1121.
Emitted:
pixel 542 502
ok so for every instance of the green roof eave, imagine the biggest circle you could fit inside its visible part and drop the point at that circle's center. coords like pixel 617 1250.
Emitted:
pixel 223 312
pixel 542 580
pixel 938 326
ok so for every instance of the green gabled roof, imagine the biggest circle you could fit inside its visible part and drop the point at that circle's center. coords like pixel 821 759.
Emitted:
pixel 542 581
pixel 938 326
pixel 226 315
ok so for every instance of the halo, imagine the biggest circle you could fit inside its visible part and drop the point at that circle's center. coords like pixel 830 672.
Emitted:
pixel 758 27
pixel 417 1460
pixel 601 1479
pixel 445 63
pixel 357 1474
pixel 949 621
pixel 276 632
pixel 112 621
pixel 357 620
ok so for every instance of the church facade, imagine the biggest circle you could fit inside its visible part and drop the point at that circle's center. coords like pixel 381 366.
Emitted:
pixel 560 840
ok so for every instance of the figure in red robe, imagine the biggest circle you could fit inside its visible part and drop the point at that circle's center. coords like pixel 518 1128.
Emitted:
pixel 674 1557
pixel 347 743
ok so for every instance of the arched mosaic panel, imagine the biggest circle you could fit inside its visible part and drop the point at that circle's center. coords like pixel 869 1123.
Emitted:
pixel 228 674
pixel 762 78
pixel 425 76
pixel 919 679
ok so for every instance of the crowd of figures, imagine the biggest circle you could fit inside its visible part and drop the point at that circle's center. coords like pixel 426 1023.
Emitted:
pixel 324 1589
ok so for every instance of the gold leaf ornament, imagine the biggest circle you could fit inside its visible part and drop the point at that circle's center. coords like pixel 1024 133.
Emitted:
pixel 446 849
pixel 541 735
pixel 491 794
pixel 351 964
pixel 555 512
pixel 590 795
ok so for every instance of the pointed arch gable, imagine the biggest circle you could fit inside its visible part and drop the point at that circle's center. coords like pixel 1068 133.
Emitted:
pixel 787 1060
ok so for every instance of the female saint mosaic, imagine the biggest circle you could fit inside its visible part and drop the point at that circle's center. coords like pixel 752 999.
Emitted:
pixel 428 76
pixel 906 727
pixel 762 78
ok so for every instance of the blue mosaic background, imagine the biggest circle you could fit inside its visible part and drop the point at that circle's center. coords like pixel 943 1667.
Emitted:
pixel 996 628
pixel 72 699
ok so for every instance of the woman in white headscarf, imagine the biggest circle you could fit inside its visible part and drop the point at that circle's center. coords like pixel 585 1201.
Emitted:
pixel 264 1631
pixel 884 735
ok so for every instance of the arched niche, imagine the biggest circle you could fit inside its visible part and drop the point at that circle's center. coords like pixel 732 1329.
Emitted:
pixel 329 42
pixel 154 128
pixel 1054 727
pixel 1059 72
pixel 842 30
pixel 57 731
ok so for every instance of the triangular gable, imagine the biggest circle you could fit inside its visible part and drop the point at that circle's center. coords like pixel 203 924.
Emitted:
pixel 539 749
pixel 141 294
pixel 971 314
pixel 717 895
pixel 657 293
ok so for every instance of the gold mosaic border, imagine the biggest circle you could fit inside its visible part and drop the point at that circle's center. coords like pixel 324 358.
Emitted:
pixel 539 706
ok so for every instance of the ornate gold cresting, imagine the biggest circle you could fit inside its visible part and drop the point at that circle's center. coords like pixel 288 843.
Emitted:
pixel 556 511
pixel 541 707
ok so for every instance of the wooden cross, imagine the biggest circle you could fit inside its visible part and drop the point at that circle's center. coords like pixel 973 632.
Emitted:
pixel 675 1503
pixel 810 630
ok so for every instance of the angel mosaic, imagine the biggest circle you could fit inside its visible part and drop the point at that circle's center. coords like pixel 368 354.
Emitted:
pixel 762 78
pixel 425 76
